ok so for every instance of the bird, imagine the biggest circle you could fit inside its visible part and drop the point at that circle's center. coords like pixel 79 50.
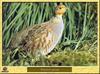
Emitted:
pixel 41 38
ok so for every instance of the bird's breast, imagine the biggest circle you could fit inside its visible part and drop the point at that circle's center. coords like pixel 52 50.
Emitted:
pixel 57 34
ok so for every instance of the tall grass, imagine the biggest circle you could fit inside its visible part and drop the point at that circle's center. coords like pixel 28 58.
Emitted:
pixel 80 32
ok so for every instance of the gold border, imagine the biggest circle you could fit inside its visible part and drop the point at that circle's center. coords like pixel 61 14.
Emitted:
pixel 75 69
pixel 1 34
pixel 98 51
pixel 50 0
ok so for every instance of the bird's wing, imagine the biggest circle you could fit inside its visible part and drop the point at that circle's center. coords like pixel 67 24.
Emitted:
pixel 39 37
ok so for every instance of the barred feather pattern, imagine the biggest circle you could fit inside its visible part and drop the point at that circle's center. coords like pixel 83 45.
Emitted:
pixel 39 38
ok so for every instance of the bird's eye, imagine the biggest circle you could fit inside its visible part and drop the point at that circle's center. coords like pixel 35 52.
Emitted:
pixel 60 8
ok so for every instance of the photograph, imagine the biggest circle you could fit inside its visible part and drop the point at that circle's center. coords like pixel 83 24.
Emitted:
pixel 49 33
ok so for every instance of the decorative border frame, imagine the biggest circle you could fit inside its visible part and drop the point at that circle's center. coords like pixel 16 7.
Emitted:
pixel 75 69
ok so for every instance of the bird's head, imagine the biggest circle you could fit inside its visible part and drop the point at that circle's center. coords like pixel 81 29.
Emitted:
pixel 60 9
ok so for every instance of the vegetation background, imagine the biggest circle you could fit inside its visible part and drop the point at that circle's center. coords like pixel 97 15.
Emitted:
pixel 78 46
